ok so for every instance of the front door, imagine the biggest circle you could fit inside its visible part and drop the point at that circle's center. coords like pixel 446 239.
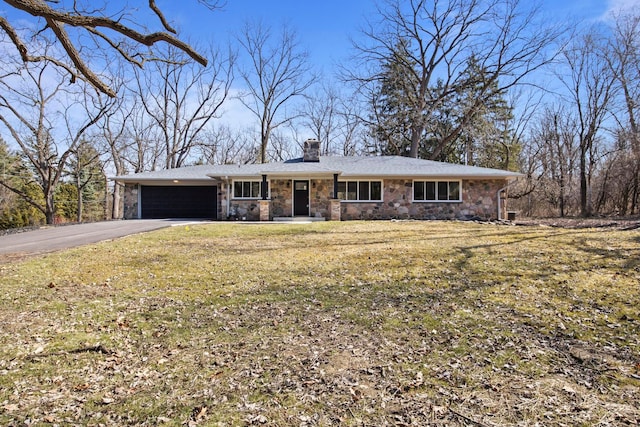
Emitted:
pixel 301 198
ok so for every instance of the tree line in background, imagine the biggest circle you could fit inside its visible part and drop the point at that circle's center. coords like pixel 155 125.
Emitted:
pixel 461 81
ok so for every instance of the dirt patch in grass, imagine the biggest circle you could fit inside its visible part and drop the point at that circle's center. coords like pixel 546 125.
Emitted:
pixel 372 323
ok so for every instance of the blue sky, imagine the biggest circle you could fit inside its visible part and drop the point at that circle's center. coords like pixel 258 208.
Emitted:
pixel 326 26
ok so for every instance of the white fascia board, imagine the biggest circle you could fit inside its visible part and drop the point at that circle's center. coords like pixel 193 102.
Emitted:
pixel 175 182
pixel 429 176
pixel 276 175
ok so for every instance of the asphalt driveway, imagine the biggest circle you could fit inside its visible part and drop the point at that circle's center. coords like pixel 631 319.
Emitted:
pixel 49 239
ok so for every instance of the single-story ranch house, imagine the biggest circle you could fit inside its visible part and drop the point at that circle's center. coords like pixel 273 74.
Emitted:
pixel 319 187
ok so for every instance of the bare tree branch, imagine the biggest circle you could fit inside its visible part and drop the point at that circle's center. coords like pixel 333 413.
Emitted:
pixel 56 20
pixel 279 72
pixel 436 40
pixel 181 100
pixel 158 12
pixel 74 55
pixel 32 107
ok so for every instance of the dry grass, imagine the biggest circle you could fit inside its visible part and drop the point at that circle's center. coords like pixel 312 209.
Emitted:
pixel 376 323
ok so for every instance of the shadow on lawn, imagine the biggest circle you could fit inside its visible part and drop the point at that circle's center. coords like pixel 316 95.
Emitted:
pixel 580 242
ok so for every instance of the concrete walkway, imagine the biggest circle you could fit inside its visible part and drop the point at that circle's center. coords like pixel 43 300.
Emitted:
pixel 49 239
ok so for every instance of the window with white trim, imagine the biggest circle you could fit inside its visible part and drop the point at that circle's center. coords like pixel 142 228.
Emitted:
pixel 370 191
pixel 436 191
pixel 248 189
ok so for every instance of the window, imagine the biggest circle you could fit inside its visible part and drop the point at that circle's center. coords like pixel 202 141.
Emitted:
pixel 432 191
pixel 360 190
pixel 247 189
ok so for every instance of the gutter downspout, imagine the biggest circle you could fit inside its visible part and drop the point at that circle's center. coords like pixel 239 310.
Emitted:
pixel 498 196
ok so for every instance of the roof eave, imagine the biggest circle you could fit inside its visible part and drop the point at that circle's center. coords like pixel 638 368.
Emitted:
pixel 159 181
pixel 277 174
pixel 434 176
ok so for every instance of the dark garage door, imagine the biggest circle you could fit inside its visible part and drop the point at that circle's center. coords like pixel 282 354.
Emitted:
pixel 179 201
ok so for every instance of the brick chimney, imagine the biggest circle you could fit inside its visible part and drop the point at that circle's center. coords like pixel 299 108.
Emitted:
pixel 311 150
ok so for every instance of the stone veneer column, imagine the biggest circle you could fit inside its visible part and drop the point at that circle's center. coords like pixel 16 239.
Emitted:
pixel 335 210
pixel 264 210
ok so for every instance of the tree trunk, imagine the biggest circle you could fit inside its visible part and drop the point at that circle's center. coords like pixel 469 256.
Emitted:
pixel 115 208
pixel 263 151
pixel 50 210
pixel 562 196
pixel 79 205
pixel 584 205
pixel 636 190
pixel 415 142
pixel 264 143
pixel 106 198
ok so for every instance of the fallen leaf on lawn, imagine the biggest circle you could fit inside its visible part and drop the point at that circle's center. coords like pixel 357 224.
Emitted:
pixel 202 413
pixel 81 387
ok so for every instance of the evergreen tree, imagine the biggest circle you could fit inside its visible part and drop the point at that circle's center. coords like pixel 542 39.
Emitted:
pixel 476 113
pixel 486 138
pixel 436 41
pixel 393 110
pixel 66 197
pixel 15 211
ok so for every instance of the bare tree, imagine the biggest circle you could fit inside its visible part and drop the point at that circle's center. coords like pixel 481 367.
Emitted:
pixel 99 24
pixel 285 143
pixel 226 146
pixel 321 117
pixel 556 137
pixel 624 60
pixel 333 119
pixel 112 135
pixel 353 132
pixel 278 72
pixel 37 107
pixel 181 99
pixel 143 151
pixel 437 38
pixel 590 83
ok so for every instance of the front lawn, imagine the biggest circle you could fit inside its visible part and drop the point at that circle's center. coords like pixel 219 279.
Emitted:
pixel 327 324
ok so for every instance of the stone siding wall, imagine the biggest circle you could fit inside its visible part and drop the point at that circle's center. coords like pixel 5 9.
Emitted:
pixel 281 197
pixel 245 210
pixel 222 200
pixel 478 201
pixel 320 200
pixel 130 201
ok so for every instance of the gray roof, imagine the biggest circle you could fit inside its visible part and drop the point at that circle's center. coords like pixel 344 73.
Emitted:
pixel 346 167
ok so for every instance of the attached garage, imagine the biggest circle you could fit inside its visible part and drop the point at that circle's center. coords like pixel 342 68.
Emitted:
pixel 179 201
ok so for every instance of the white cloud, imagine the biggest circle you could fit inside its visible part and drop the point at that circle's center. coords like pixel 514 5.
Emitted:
pixel 234 114
pixel 621 6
